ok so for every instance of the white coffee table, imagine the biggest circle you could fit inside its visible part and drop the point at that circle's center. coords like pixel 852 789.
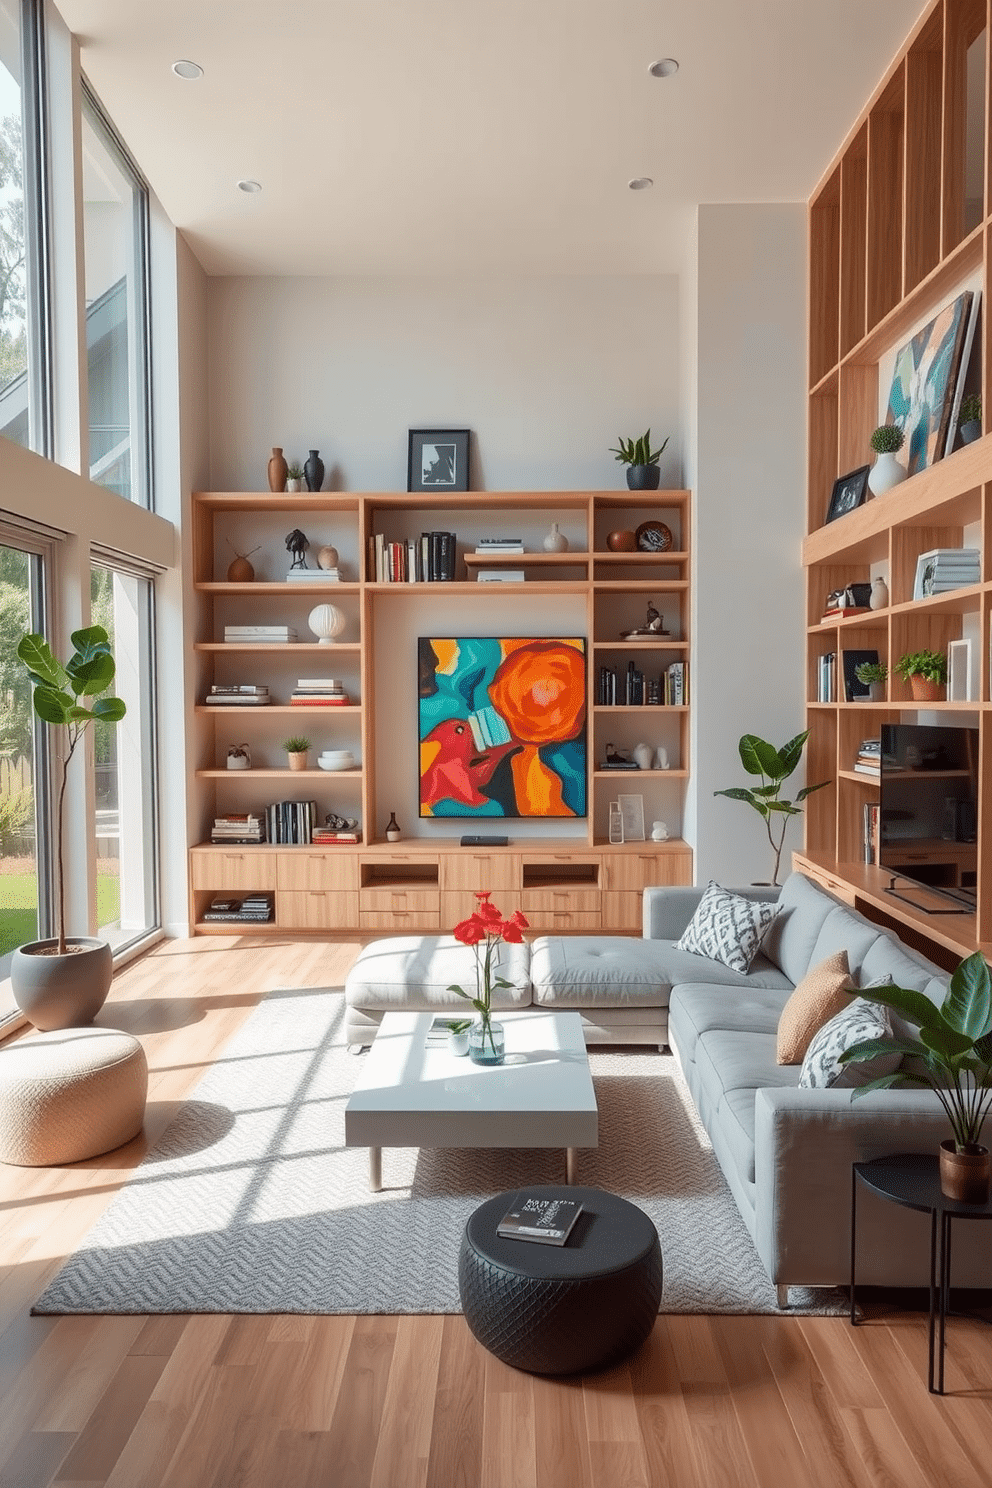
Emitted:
pixel 409 1095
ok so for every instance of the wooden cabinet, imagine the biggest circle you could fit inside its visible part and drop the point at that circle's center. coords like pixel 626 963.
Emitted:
pixel 898 227
pixel 608 592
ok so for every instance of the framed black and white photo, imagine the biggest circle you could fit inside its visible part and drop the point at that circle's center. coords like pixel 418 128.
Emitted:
pixel 438 460
pixel 849 491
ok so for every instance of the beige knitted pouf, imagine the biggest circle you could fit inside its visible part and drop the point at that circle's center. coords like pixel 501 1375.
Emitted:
pixel 69 1094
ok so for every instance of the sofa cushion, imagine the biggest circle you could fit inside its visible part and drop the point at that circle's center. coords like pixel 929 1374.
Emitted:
pixel 845 930
pixel 819 996
pixel 415 971
pixel 730 1067
pixel 860 1020
pixel 695 1009
pixel 789 940
pixel 585 971
pixel 727 927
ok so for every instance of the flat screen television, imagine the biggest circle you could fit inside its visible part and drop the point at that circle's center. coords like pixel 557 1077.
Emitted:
pixel 928 814
pixel 502 724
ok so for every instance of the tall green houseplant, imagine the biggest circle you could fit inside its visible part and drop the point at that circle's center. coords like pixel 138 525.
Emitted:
pixel 774 766
pixel 57 693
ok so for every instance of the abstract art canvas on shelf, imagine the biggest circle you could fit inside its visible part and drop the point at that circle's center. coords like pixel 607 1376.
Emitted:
pixel 924 379
pixel 502 726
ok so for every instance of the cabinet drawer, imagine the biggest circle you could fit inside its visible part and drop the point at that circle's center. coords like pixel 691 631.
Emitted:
pixel 467 871
pixel 401 919
pixel 641 870
pixel 316 909
pixel 565 900
pixel 622 910
pixel 232 870
pixel 549 920
pixel 406 899
pixel 317 870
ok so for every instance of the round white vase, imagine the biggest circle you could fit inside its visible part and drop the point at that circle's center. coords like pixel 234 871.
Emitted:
pixel 879 598
pixel 643 755
pixel 326 621
pixel 556 541
pixel 884 474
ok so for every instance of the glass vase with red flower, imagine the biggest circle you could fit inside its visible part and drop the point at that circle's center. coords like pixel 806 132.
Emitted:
pixel 485 931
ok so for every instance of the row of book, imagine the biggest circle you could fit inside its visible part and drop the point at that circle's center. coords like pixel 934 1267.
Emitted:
pixel 827 677
pixel 873 817
pixel 943 569
pixel 427 559
pixel 247 908
pixel 632 689
pixel 293 823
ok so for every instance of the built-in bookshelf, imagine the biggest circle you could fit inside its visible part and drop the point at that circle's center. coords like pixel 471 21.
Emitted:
pixel 897 226
pixel 390 586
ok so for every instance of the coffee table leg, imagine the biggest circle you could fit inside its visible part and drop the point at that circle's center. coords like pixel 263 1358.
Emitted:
pixel 375 1169
pixel 571 1165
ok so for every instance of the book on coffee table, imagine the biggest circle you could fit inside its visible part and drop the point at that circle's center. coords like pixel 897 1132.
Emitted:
pixel 546 1221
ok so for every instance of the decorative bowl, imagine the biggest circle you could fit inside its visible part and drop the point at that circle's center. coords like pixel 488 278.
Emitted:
pixel 341 759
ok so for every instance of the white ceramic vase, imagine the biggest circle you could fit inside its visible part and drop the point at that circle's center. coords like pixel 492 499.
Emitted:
pixel 555 542
pixel 643 755
pixel 326 621
pixel 879 599
pixel 884 474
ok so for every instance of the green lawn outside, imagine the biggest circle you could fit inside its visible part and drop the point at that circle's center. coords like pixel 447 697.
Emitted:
pixel 19 897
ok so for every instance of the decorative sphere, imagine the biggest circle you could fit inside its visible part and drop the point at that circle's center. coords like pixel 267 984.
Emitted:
pixel 622 542
pixel 327 557
pixel 326 621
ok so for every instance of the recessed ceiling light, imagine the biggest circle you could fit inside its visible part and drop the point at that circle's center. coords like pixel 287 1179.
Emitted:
pixel 251 187
pixel 640 183
pixel 186 69
pixel 667 67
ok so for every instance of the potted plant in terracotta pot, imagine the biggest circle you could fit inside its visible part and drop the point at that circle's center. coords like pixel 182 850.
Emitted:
pixel 926 673
pixel 953 1058
pixel 641 461
pixel 970 418
pixel 887 440
pixel 296 747
pixel 63 982
pixel 873 675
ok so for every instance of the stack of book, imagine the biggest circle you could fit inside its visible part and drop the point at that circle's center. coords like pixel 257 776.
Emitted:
pixel 869 760
pixel 841 611
pixel 319 692
pixel 313 576
pixel 826 677
pixel 500 576
pixel 873 813
pixel 490 546
pixel 327 836
pixel 238 827
pixel 257 635
pixel 257 908
pixel 427 559
pixel 943 569
pixel 291 822
pixel 238 696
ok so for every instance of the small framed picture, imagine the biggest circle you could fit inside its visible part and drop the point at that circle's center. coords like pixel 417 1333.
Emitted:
pixel 632 815
pixel 438 460
pixel 961 681
pixel 849 491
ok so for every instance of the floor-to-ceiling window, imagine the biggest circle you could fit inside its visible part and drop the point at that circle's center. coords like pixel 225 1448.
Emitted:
pixel 115 235
pixel 121 601
pixel 14 383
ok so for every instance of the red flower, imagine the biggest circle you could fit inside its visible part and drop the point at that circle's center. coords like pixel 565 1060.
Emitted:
pixel 470 931
pixel 511 933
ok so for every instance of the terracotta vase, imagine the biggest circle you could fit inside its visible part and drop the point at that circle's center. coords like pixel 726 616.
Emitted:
pixel 925 690
pixel 278 470
pixel 964 1176
pixel 240 571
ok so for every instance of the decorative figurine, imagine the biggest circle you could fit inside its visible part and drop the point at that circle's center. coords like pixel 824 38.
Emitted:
pixel 239 757
pixel 652 628
pixel 659 831
pixel 661 763
pixel 297 544
pixel 643 754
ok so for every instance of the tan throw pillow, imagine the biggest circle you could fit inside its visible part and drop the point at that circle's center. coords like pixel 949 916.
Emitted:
pixel 818 998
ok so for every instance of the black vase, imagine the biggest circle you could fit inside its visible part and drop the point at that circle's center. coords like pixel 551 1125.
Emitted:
pixel 643 477
pixel 313 470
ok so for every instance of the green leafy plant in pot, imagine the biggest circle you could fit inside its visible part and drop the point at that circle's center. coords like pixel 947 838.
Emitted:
pixel 887 440
pixel 641 461
pixel 970 418
pixel 926 673
pixel 873 675
pixel 63 982
pixel 953 1058
pixel 774 766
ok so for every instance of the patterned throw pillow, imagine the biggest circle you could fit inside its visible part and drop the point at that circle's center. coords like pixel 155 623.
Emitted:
pixel 858 1021
pixel 821 993
pixel 727 927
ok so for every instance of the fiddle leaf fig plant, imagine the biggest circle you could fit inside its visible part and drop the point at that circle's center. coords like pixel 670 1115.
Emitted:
pixel 637 451
pixel 774 766
pixel 58 691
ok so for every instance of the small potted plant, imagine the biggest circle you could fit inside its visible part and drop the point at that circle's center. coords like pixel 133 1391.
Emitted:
pixel 926 673
pixel 294 477
pixel 873 675
pixel 887 440
pixel 641 461
pixel 970 418
pixel 296 747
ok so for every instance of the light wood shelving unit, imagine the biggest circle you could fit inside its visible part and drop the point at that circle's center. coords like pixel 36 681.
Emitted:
pixel 899 222
pixel 572 883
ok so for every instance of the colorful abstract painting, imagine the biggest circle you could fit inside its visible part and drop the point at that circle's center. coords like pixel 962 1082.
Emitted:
pixel 923 383
pixel 502 726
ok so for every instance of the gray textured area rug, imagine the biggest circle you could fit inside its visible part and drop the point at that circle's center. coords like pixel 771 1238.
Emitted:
pixel 251 1202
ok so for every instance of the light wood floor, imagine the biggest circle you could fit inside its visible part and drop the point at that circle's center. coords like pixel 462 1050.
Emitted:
pixel 260 1402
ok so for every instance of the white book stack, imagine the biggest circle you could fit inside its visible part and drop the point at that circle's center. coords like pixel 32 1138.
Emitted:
pixel 500 576
pixel 313 576
pixel 258 634
pixel 943 569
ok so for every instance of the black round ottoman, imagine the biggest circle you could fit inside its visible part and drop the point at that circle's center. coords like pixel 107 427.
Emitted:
pixel 560 1309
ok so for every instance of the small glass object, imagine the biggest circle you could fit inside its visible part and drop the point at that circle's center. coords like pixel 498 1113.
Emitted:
pixel 616 822
pixel 486 1041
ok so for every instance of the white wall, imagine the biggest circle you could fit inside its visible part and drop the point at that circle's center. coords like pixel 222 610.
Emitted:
pixel 749 507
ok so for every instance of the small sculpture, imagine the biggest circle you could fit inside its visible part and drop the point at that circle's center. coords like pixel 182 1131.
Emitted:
pixel 653 625
pixel 661 763
pixel 659 831
pixel 297 544
pixel 239 757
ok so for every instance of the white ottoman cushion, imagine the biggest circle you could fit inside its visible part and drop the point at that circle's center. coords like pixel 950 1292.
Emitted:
pixel 69 1094
pixel 599 971
pixel 415 972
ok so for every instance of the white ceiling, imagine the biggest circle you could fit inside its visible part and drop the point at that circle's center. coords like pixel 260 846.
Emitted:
pixel 467 136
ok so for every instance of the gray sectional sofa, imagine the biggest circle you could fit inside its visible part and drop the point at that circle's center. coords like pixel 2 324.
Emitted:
pixel 786 1152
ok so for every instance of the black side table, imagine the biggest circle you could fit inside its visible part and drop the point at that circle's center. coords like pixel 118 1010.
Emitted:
pixel 912 1179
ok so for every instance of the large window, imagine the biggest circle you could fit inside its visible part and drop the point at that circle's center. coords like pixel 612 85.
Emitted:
pixel 124 785
pixel 115 213
pixel 14 384
pixel 24 853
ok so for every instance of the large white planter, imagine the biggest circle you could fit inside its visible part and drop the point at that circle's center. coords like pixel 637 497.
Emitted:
pixel 884 474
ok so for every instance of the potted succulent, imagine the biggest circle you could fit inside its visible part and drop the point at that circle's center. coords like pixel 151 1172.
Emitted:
pixel 953 1058
pixel 294 477
pixel 774 766
pixel 926 673
pixel 970 418
pixel 873 675
pixel 63 982
pixel 296 747
pixel 886 472
pixel 641 461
